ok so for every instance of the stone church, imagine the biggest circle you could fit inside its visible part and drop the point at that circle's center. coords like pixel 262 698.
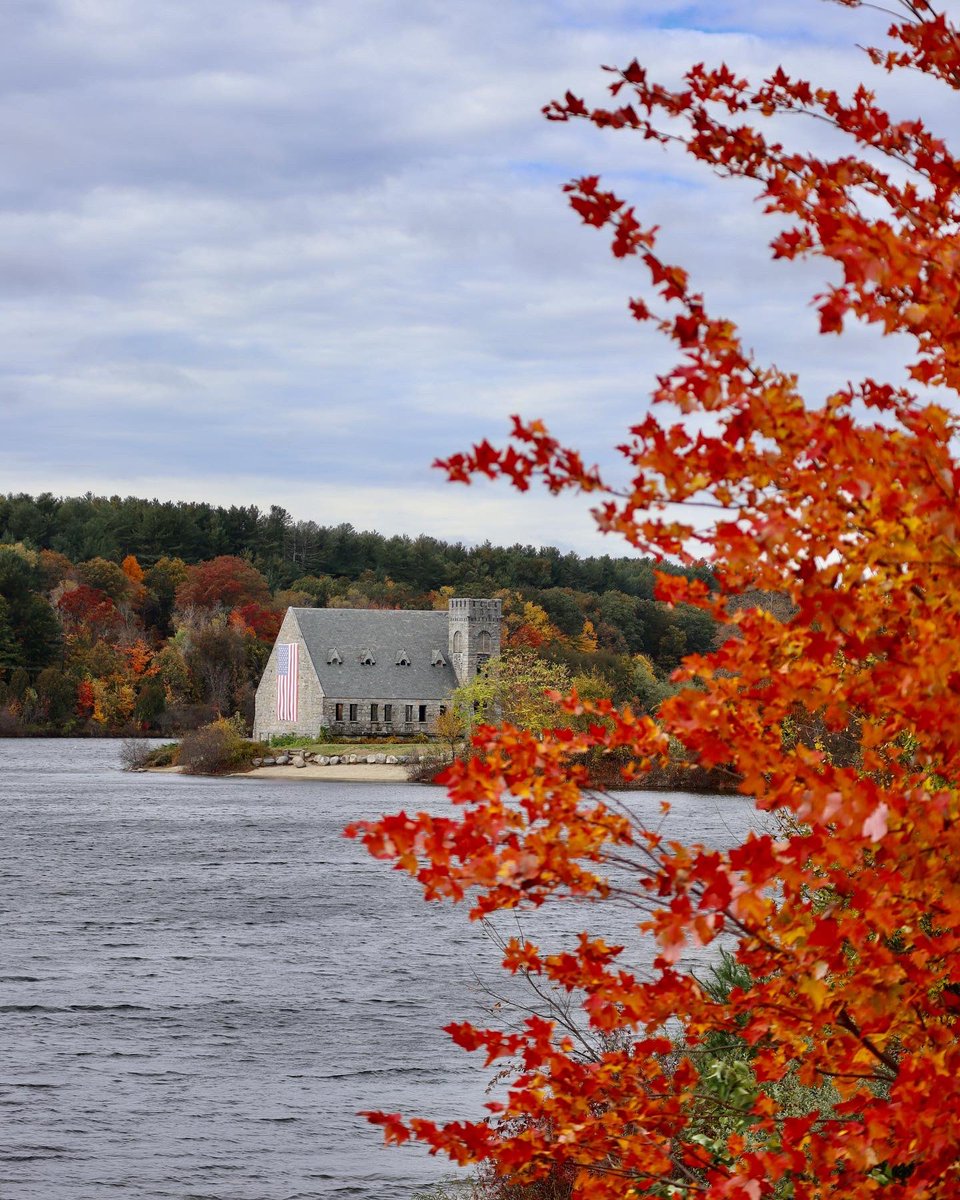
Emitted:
pixel 353 671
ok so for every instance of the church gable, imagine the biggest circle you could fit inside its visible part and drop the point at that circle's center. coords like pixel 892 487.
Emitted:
pixel 290 696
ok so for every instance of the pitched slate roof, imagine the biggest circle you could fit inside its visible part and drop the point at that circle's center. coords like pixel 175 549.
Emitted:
pixel 383 632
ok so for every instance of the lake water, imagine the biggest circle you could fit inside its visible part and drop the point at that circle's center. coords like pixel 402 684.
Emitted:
pixel 202 982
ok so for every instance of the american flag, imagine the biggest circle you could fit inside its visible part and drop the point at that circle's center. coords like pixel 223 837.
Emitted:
pixel 288 658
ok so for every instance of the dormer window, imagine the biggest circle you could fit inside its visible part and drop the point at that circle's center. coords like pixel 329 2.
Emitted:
pixel 438 659
pixel 367 659
pixel 403 658
pixel 333 656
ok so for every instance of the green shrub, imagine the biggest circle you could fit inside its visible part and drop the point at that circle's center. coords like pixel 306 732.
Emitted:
pixel 425 770
pixel 218 749
pixel 136 754
pixel 165 755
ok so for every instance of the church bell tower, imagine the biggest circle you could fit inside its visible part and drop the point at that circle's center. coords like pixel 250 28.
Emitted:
pixel 474 635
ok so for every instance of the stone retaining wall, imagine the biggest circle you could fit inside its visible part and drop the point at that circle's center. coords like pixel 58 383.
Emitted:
pixel 299 758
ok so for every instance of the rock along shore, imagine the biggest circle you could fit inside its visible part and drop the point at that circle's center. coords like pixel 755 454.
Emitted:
pixel 371 768
pixel 301 759
pixel 296 764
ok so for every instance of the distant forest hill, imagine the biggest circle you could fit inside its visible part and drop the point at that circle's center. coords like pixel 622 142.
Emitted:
pixel 123 614
pixel 284 550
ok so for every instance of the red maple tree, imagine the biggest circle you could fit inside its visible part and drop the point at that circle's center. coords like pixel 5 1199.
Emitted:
pixel 225 582
pixel 263 623
pixel 846 925
pixel 88 610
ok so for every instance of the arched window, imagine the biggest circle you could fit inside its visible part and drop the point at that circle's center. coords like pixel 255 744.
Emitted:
pixel 403 658
pixel 458 642
pixel 484 642
pixel 367 659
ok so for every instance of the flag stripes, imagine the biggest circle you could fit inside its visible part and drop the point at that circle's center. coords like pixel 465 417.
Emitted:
pixel 288 677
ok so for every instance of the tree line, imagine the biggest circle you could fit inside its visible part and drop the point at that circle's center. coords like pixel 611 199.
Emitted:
pixel 100 633
pixel 284 550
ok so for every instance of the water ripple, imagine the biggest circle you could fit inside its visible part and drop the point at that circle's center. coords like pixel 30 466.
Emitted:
pixel 203 982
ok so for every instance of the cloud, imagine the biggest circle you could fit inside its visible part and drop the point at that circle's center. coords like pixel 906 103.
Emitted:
pixel 289 251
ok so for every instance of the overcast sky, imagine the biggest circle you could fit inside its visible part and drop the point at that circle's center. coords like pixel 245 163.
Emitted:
pixel 290 251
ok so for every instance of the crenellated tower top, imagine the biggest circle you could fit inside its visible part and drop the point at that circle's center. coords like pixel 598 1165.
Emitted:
pixel 474 635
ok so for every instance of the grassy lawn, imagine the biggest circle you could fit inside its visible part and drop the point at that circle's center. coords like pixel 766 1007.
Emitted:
pixel 364 748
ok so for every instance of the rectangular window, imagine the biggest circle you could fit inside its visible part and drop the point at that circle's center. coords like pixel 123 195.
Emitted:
pixel 443 709
pixel 353 712
pixel 423 713
pixel 408 717
pixel 338 712
pixel 388 713
pixel 374 713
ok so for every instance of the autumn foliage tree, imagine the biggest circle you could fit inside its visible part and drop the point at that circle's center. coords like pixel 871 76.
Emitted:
pixel 223 582
pixel 263 623
pixel 89 612
pixel 845 926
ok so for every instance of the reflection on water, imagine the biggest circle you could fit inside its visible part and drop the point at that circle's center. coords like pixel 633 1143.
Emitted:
pixel 202 982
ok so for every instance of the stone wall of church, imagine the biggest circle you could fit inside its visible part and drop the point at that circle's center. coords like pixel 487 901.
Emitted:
pixel 474 635
pixel 344 717
pixel 363 718
pixel 310 698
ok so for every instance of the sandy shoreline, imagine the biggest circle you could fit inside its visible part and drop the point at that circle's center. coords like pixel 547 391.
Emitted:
pixel 358 773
